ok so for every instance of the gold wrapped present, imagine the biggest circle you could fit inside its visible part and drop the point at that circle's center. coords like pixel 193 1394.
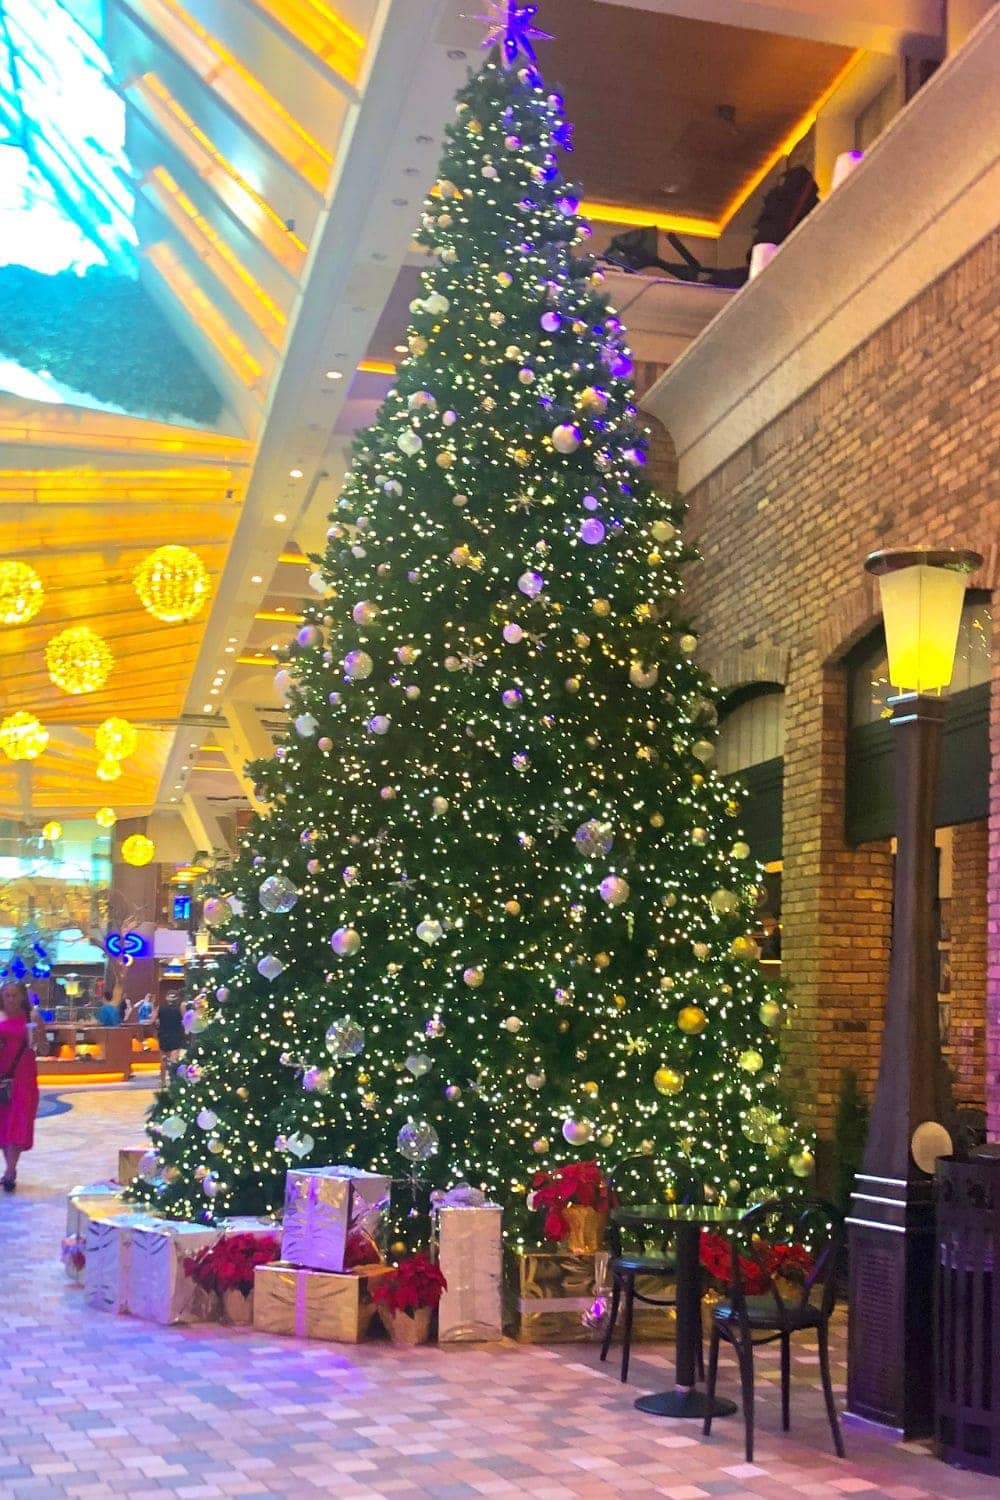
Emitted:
pixel 554 1293
pixel 330 1305
pixel 129 1158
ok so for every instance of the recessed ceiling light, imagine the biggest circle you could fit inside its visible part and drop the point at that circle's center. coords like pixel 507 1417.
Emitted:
pixel 334 374
pixel 209 708
pixel 256 578
pixel 230 650
pixel 295 473
pixel 280 516
pixel 213 692
pixel 400 348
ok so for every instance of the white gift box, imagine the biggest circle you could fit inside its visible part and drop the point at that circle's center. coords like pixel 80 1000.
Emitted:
pixel 108 1249
pixel 470 1254
pixel 97 1200
pixel 322 1206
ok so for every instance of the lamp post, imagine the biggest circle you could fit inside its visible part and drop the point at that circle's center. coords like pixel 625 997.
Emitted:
pixel 890 1368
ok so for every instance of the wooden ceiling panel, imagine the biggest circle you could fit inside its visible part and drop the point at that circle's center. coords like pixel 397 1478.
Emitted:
pixel 645 91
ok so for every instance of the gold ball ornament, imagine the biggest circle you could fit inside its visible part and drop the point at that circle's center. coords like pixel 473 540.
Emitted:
pixel 750 1061
pixel 699 835
pixel 137 850
pixel 21 593
pixel 601 608
pixel 172 584
pixel 663 531
pixel 105 817
pixel 52 831
pixel 602 960
pixel 744 948
pixel 740 850
pixel 732 807
pixel 619 1002
pixel 692 1020
pixel 688 643
pixel 22 736
pixel 724 902
pixel 541 1145
pixel 78 660
pixel 701 951
pixel 668 1081
pixel 770 1013
pixel 590 1088
pixel 802 1163
pixel 116 739
pixel 445 459
pixel 592 402
pixel 473 977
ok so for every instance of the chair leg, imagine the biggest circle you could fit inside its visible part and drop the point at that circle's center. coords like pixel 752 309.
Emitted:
pixel 824 1370
pixel 744 1353
pixel 786 1381
pixel 616 1297
pixel 627 1325
pixel 713 1372
pixel 699 1354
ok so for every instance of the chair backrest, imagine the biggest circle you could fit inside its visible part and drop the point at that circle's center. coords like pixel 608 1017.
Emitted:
pixel 791 1250
pixel 644 1179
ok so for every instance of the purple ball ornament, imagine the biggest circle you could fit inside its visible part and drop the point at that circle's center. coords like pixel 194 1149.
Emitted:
pixel 551 322
pixel 308 636
pixel 590 502
pixel 510 698
pixel 592 532
pixel 531 584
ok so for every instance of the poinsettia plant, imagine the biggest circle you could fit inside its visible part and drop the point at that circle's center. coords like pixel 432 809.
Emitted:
pixel 791 1262
pixel 228 1265
pixel 579 1182
pixel 416 1282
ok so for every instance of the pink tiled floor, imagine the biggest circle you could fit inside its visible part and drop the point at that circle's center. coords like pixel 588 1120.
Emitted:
pixel 92 1405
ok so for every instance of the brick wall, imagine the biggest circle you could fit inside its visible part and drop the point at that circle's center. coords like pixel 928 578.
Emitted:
pixel 967 1021
pixel 896 446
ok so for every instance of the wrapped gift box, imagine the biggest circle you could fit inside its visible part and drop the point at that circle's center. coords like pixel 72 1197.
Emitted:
pixel 108 1251
pixel 129 1158
pixel 553 1289
pixel 315 1304
pixel 470 1253
pixel 98 1200
pixel 322 1206
pixel 156 1285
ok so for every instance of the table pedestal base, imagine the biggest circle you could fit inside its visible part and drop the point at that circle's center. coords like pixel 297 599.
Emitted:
pixel 684 1402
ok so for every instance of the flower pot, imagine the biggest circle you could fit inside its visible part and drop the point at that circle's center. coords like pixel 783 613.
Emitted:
pixel 403 1329
pixel 586 1231
pixel 237 1307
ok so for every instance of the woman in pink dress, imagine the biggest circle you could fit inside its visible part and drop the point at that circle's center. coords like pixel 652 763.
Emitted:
pixel 17 1062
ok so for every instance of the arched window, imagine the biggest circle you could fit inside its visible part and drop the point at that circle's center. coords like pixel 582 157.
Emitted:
pixel 964 783
pixel 751 727
pixel 751 747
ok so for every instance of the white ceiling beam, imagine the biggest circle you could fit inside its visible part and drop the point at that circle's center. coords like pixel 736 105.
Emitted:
pixel 243 738
pixel 898 27
pixel 207 833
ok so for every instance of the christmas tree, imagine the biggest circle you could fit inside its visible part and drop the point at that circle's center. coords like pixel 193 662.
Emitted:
pixel 497 915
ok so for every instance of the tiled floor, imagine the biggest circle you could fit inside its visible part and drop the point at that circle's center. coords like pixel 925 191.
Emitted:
pixel 92 1405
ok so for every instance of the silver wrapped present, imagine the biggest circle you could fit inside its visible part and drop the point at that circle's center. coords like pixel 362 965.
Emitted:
pixel 323 1205
pixel 98 1200
pixel 470 1253
pixel 157 1287
pixel 108 1251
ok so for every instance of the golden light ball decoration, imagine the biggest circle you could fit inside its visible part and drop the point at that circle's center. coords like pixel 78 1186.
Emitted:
pixel 22 736
pixel 138 850
pixel 52 831
pixel 78 660
pixel 105 817
pixel 172 584
pixel 692 1020
pixel 21 593
pixel 116 739
pixel 108 769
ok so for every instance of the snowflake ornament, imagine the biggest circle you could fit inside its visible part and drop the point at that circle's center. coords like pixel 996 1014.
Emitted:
pixel 511 27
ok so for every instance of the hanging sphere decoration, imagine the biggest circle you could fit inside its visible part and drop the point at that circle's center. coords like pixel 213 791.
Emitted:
pixel 277 894
pixel 108 770
pixel 78 660
pixel 52 831
pixel 417 1141
pixel 22 736
pixel 21 593
pixel 116 739
pixel 344 1039
pixel 137 850
pixel 172 584
pixel 105 817
pixel 668 1081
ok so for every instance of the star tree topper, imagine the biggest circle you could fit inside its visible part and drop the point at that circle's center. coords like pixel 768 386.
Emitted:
pixel 511 27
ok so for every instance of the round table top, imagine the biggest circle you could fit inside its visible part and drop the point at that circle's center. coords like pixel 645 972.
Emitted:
pixel 679 1213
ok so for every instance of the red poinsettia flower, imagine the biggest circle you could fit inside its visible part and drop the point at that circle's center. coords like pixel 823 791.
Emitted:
pixel 229 1264
pixel 582 1183
pixel 416 1282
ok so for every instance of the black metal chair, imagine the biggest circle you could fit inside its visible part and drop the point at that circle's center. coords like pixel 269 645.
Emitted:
pixel 746 1319
pixel 626 1184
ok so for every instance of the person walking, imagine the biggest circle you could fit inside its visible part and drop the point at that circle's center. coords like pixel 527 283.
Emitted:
pixel 170 1033
pixel 18 1080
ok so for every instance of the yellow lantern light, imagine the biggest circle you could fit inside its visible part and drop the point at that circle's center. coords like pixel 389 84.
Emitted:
pixel 116 739
pixel 108 770
pixel 105 817
pixel 79 660
pixel 52 831
pixel 22 737
pixel 21 593
pixel 922 597
pixel 172 584
pixel 137 849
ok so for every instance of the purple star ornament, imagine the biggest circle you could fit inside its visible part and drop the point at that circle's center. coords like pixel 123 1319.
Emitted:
pixel 510 26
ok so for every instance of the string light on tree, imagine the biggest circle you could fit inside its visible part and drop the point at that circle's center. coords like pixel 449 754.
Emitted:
pixel 509 924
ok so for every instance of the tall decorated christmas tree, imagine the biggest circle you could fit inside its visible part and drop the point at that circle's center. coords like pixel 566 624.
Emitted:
pixel 496 918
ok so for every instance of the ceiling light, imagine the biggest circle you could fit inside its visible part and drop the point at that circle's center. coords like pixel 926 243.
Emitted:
pixel 209 708
pixel 295 473
pixel 280 516
pixel 400 348
pixel 256 577
pixel 334 374
pixel 230 650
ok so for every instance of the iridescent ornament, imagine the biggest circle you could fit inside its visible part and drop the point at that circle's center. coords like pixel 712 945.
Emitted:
pixel 430 931
pixel 269 967
pixel 594 839
pixel 216 912
pixel 577 1132
pixel 531 584
pixel 357 666
pixel 566 438
pixel 344 1039
pixel 418 1063
pixel 277 894
pixel 417 1141
pixel 614 891
pixel 346 942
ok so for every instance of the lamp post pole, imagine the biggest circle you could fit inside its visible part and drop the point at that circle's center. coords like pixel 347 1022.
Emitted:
pixel 890 1371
